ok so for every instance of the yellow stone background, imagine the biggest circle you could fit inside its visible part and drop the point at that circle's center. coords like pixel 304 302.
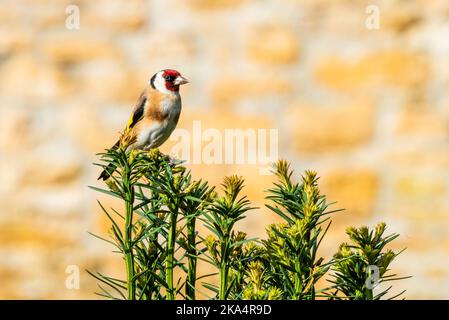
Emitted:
pixel 367 109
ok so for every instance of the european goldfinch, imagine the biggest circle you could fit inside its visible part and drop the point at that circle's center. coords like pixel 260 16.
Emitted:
pixel 155 115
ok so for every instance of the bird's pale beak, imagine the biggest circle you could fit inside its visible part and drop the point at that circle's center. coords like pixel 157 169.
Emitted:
pixel 180 80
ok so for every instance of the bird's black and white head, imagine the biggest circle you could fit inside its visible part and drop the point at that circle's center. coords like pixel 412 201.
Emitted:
pixel 167 81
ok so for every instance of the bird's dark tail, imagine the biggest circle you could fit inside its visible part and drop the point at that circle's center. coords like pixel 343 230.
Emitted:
pixel 106 173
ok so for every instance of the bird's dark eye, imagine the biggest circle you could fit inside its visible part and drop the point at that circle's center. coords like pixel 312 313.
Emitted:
pixel 169 78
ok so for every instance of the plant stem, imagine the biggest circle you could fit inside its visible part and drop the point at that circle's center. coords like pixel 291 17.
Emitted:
pixel 369 294
pixel 170 255
pixel 224 270
pixel 192 259
pixel 129 257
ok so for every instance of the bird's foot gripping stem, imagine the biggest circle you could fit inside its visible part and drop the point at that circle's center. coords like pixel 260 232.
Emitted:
pixel 172 161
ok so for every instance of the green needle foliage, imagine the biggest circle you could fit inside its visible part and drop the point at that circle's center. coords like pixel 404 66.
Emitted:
pixel 291 249
pixel 222 215
pixel 362 266
pixel 156 234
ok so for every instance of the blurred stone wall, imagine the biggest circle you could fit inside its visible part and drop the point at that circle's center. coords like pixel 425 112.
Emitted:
pixel 367 108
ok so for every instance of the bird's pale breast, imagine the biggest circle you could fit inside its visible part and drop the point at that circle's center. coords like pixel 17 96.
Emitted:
pixel 156 131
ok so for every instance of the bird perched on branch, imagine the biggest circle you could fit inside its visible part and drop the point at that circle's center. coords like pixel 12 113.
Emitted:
pixel 155 115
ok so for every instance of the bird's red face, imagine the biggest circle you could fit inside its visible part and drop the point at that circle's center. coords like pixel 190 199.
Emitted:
pixel 173 80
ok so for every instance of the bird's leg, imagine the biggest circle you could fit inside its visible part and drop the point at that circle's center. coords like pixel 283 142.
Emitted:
pixel 155 153
pixel 174 161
